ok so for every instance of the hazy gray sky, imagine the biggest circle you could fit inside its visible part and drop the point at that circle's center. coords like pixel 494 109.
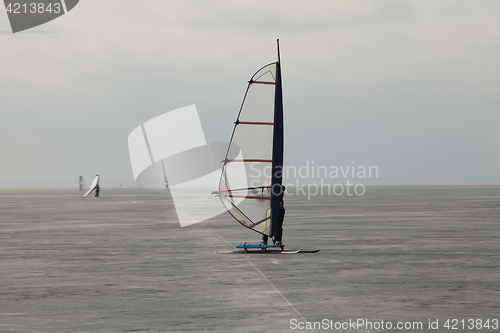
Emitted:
pixel 409 86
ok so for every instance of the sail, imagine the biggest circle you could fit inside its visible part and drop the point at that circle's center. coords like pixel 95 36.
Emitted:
pixel 246 191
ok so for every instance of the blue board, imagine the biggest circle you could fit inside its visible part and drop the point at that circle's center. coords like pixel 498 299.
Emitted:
pixel 256 246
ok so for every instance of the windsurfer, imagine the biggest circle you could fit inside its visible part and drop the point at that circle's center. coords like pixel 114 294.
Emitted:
pixel 279 235
pixel 96 191
pixel 262 115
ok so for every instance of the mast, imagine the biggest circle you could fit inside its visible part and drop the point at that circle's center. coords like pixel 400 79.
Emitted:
pixel 277 161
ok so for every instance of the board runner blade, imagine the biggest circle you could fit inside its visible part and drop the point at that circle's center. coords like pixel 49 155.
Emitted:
pixel 268 252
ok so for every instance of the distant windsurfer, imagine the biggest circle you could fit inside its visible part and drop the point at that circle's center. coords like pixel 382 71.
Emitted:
pixel 82 183
pixel 93 186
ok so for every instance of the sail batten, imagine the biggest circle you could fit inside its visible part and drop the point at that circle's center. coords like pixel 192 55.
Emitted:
pixel 261 82
pixel 247 160
pixel 248 197
pixel 253 123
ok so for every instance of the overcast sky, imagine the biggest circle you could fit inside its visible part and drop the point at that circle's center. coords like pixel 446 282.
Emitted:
pixel 412 87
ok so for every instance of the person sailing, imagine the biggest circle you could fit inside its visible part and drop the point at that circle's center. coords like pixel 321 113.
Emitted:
pixel 96 191
pixel 279 234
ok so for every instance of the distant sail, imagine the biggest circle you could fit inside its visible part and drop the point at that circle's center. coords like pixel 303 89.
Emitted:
pixel 94 184
pixel 257 143
pixel 81 182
